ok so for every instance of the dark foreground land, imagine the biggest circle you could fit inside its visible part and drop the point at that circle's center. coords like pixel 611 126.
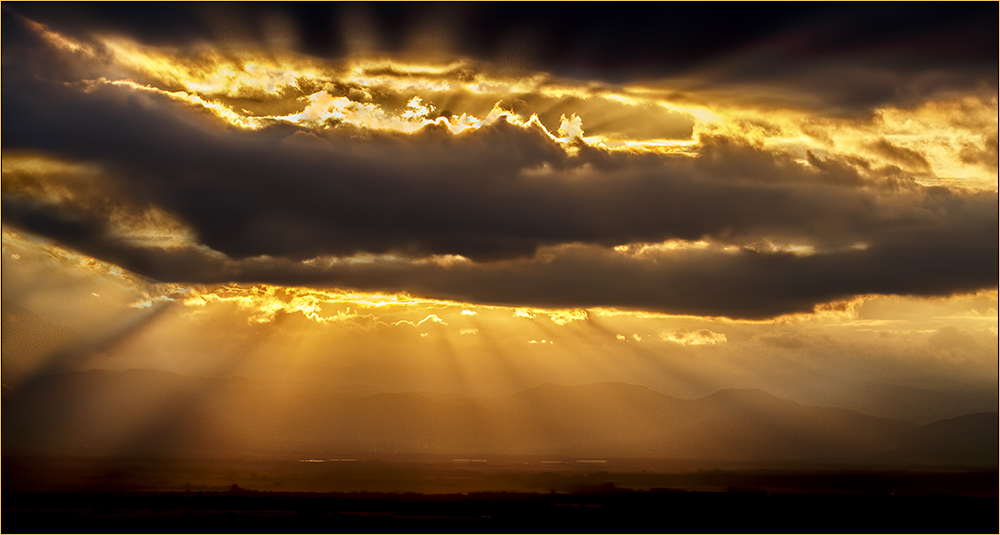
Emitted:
pixel 609 511
pixel 509 495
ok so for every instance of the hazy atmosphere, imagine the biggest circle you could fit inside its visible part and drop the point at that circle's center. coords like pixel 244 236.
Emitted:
pixel 745 232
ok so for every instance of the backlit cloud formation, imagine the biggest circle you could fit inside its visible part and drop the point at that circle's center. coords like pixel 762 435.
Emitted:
pixel 462 179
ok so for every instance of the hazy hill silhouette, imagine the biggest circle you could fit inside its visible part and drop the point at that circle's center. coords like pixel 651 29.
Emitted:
pixel 887 400
pixel 731 424
pixel 967 440
pixel 141 412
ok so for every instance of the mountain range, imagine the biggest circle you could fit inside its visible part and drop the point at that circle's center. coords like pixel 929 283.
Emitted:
pixel 150 412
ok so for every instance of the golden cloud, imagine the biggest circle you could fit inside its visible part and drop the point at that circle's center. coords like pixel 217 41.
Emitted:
pixel 246 88
pixel 693 337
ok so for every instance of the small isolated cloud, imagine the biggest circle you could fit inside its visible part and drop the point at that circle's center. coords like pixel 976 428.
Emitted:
pixel 469 331
pixel 432 318
pixel 635 337
pixel 540 342
pixel 693 338
pixel 468 313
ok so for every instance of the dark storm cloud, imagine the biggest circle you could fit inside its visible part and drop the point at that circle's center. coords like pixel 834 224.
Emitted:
pixel 845 58
pixel 744 284
pixel 298 196
pixel 500 192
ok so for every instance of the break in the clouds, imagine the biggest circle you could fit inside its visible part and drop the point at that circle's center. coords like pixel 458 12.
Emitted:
pixel 761 175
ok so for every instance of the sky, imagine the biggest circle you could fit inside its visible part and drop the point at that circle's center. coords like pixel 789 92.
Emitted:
pixel 479 198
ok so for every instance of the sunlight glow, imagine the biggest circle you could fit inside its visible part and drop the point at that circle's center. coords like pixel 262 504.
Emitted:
pixel 365 93
pixel 468 237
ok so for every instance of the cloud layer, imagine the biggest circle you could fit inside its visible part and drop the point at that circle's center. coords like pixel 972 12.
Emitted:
pixel 506 213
